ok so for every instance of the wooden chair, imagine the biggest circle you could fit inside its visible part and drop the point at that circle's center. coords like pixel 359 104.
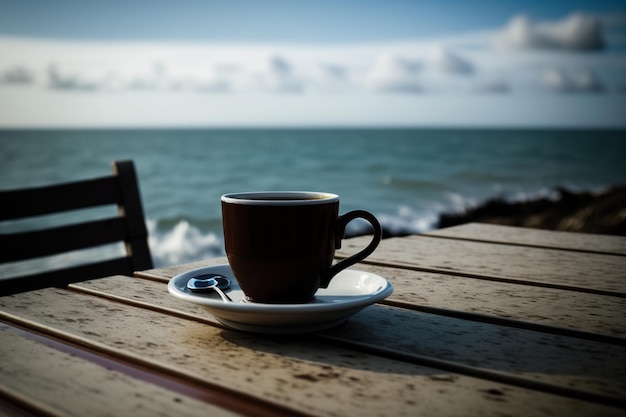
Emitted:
pixel 129 226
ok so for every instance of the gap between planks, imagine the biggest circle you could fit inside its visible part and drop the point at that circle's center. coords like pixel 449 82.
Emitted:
pixel 477 372
pixel 486 318
pixel 406 266
pixel 416 359
pixel 411 267
pixel 531 237
pixel 136 367
pixel 525 245
pixel 15 403
pixel 462 315
pixel 502 321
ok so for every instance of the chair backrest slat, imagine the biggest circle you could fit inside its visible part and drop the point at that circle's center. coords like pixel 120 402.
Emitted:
pixel 129 227
pixel 39 201
pixel 52 241
pixel 63 277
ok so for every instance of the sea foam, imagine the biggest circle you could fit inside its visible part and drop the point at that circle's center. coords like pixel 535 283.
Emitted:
pixel 183 243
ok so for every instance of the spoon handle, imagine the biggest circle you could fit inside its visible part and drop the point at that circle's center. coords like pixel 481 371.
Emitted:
pixel 225 297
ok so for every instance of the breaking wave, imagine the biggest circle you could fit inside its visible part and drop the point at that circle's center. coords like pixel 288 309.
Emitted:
pixel 182 243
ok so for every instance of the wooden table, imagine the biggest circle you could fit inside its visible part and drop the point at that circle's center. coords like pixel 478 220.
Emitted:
pixel 484 320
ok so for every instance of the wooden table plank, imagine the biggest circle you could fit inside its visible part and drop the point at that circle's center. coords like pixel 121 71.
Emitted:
pixel 569 362
pixel 547 306
pixel 603 274
pixel 164 274
pixel 54 382
pixel 584 242
pixel 591 313
pixel 595 314
pixel 143 293
pixel 599 367
pixel 297 373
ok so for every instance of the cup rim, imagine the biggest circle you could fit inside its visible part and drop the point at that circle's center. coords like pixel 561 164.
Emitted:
pixel 268 198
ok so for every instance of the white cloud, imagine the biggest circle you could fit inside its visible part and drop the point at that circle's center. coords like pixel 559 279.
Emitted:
pixel 16 75
pixel 149 79
pixel 540 59
pixel 492 85
pixel 335 72
pixel 60 81
pixel 556 79
pixel 278 76
pixel 576 32
pixel 581 81
pixel 447 62
pixel 392 73
pixel 587 80
pixel 443 65
pixel 213 83
pixel 331 78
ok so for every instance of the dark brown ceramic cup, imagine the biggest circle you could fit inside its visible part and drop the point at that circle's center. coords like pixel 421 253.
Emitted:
pixel 281 245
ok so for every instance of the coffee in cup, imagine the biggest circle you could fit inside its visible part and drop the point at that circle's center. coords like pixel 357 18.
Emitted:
pixel 281 245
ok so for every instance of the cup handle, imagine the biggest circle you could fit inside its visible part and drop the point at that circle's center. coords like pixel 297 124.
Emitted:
pixel 342 222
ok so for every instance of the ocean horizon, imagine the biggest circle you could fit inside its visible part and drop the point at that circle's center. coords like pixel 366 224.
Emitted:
pixel 407 177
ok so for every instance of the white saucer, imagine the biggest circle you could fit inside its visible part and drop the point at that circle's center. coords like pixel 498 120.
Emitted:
pixel 348 292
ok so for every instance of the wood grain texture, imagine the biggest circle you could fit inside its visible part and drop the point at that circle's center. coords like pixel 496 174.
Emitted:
pixel 535 237
pixel 164 274
pixel 455 338
pixel 547 306
pixel 580 364
pixel 297 372
pixel 524 264
pixel 61 383
pixel 552 307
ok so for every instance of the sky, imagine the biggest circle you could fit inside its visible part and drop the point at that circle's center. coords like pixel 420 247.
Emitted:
pixel 243 63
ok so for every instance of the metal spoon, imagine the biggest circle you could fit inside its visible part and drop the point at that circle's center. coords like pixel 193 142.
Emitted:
pixel 203 283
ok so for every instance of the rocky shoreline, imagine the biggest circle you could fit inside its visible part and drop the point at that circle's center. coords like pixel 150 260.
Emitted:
pixel 583 212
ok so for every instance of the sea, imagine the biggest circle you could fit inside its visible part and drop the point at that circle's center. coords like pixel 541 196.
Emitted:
pixel 406 177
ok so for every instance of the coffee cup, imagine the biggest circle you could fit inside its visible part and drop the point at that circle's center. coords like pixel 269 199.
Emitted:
pixel 281 245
